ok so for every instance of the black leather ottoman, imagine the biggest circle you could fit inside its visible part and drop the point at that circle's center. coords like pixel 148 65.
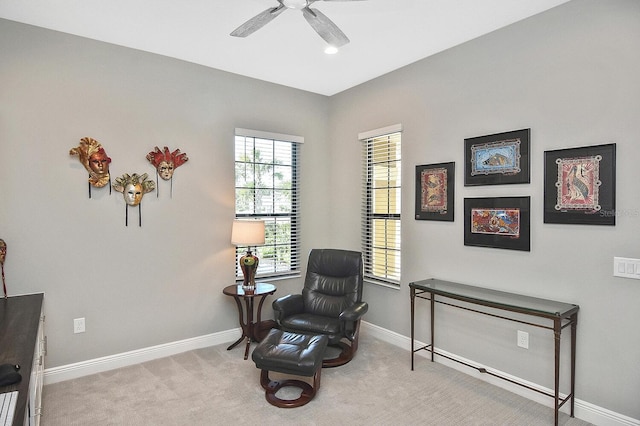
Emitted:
pixel 290 353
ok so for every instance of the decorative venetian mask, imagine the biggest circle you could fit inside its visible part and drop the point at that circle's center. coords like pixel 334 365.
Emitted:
pixel 3 255
pixel 133 187
pixel 94 159
pixel 3 251
pixel 166 162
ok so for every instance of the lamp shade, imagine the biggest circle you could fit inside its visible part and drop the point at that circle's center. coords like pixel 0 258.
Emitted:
pixel 247 232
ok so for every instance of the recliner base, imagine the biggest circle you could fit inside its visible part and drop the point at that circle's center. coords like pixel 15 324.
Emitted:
pixel 346 354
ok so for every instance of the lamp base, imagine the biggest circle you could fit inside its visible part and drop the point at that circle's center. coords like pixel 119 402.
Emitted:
pixel 249 265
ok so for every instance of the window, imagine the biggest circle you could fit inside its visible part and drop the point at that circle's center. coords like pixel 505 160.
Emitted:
pixel 381 202
pixel 266 187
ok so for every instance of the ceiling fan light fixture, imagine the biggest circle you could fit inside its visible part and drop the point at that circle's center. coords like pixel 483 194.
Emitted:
pixel 331 50
pixel 295 4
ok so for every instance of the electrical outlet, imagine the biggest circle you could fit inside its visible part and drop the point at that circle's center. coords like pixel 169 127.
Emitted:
pixel 78 325
pixel 523 339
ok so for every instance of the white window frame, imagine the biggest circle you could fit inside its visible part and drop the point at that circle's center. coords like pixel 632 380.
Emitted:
pixel 271 266
pixel 381 243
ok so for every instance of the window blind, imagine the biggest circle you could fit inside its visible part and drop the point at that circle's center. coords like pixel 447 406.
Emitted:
pixel 381 204
pixel 266 188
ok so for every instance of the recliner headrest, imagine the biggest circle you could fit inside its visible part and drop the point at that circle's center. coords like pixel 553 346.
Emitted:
pixel 335 263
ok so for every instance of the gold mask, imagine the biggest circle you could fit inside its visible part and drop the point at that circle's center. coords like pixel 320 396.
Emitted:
pixel 133 187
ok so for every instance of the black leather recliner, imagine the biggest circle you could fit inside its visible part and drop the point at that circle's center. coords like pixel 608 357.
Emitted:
pixel 330 304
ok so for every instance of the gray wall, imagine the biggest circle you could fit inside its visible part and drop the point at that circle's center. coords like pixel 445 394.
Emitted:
pixel 136 286
pixel 571 75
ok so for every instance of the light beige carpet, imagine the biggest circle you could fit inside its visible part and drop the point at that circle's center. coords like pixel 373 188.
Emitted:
pixel 213 386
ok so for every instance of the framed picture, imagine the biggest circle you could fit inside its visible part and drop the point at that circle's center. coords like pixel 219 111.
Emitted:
pixel 498 222
pixel 580 185
pixel 497 159
pixel 435 192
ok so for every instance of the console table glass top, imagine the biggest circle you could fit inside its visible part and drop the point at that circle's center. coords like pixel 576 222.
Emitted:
pixel 496 298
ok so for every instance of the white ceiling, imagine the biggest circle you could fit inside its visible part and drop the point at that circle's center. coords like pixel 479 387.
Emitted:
pixel 385 34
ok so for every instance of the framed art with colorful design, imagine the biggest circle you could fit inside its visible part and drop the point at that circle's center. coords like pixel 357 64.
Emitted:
pixel 498 222
pixel 435 192
pixel 580 185
pixel 497 159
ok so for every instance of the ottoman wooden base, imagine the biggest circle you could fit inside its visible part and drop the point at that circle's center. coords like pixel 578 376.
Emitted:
pixel 292 354
pixel 273 386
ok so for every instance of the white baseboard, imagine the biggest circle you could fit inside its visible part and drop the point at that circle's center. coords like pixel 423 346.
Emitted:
pixel 583 410
pixel 98 365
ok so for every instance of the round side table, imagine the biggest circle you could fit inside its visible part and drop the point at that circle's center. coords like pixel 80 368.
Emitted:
pixel 251 330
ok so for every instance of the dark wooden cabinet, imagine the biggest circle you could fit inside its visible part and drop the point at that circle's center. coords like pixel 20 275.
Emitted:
pixel 22 342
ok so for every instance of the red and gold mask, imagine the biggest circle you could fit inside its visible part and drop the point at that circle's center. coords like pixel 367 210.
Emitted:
pixel 166 162
pixel 94 159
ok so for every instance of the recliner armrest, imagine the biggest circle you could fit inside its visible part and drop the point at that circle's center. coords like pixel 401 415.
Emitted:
pixel 355 312
pixel 288 305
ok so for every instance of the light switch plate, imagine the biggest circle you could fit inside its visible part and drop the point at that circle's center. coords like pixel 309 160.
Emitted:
pixel 626 267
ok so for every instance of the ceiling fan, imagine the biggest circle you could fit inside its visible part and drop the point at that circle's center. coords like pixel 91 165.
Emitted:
pixel 318 21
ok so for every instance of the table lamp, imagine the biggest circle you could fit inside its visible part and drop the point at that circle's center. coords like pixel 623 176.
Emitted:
pixel 248 233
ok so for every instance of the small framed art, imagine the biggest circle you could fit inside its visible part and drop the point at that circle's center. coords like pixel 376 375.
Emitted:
pixel 435 191
pixel 498 159
pixel 498 222
pixel 580 185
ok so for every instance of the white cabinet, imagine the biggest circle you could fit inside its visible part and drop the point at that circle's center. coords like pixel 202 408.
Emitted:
pixel 34 408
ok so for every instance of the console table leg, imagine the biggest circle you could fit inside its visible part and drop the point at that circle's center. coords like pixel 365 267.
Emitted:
pixel 433 316
pixel 574 326
pixel 556 332
pixel 413 297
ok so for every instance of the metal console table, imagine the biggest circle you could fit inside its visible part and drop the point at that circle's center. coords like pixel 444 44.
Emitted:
pixel 561 314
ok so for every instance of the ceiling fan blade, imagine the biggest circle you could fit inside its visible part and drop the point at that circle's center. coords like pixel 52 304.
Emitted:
pixel 258 21
pixel 325 27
